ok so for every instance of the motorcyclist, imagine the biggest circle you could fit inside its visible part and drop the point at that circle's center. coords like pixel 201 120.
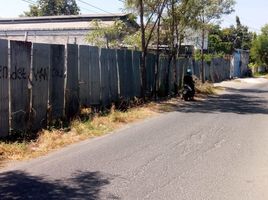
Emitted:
pixel 188 79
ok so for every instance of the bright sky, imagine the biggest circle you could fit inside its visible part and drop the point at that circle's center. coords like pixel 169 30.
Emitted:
pixel 252 13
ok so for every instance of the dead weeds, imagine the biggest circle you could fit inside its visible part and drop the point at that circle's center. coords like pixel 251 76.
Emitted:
pixel 91 125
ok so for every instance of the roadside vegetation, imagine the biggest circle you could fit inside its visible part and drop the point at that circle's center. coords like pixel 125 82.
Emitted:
pixel 90 125
pixel 161 23
pixel 87 125
pixel 261 74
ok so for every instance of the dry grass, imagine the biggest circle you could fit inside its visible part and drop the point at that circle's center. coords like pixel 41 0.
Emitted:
pixel 95 125
pixel 207 88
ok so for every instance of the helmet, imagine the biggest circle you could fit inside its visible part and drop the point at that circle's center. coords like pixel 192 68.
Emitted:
pixel 189 72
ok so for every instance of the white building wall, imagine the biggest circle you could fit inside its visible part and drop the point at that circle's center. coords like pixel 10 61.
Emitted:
pixel 194 38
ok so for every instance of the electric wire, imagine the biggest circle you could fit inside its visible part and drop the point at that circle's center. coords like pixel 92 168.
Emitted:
pixel 100 9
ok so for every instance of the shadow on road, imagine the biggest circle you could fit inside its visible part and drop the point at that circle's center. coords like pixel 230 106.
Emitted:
pixel 20 185
pixel 239 101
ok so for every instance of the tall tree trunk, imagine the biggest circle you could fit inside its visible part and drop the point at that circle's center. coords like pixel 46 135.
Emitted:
pixel 202 56
pixel 174 48
pixel 157 61
pixel 144 51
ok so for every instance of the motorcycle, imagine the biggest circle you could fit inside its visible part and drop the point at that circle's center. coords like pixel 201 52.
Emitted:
pixel 187 93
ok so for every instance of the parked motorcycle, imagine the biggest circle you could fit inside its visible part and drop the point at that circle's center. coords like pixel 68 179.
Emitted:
pixel 187 93
pixel 188 90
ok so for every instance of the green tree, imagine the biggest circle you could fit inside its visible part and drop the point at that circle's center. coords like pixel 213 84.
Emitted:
pixel 209 11
pixel 149 13
pixel 264 30
pixel 53 7
pixel 105 35
pixel 259 50
pixel 220 40
pixel 242 37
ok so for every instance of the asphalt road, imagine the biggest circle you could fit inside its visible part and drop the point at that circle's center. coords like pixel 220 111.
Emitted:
pixel 206 150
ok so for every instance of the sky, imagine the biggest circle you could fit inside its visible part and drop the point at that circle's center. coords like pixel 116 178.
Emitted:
pixel 252 13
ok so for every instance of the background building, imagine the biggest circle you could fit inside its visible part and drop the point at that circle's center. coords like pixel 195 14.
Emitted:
pixel 56 29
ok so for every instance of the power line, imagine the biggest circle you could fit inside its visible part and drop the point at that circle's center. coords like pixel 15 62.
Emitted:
pixel 32 2
pixel 29 2
pixel 87 9
pixel 94 7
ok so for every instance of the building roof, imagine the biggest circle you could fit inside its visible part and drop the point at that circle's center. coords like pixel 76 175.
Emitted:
pixel 63 18
pixel 64 22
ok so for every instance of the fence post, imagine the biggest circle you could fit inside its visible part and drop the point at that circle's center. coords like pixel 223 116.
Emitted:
pixel 40 83
pixel 113 75
pixel 104 68
pixel 4 89
pixel 72 85
pixel 57 78
pixel 19 77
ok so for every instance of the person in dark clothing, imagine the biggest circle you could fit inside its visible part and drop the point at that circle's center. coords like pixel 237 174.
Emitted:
pixel 188 79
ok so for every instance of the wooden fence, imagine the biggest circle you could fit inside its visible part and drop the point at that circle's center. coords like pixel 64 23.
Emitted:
pixel 42 82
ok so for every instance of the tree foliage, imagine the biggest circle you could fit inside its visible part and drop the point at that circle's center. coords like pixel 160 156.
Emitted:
pixel 106 35
pixel 242 37
pixel 210 11
pixel 227 39
pixel 259 50
pixel 164 22
pixel 167 21
pixel 53 7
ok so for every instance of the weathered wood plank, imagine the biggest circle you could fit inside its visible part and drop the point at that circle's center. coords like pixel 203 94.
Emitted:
pixel 72 85
pixel 40 83
pixel 136 73
pixel 128 73
pixel 113 75
pixel 4 89
pixel 121 70
pixel 57 78
pixel 105 92
pixel 84 91
pixel 150 72
pixel 19 75
pixel 183 62
pixel 178 78
pixel 163 76
pixel 94 76
pixel 171 78
pixel 196 68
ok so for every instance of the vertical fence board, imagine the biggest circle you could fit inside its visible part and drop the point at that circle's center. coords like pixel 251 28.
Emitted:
pixel 72 85
pixel 84 92
pixel 103 74
pixel 105 93
pixel 57 78
pixel 207 70
pixel 136 73
pixel 185 67
pixel 113 75
pixel 149 63
pixel 40 77
pixel 179 72
pixel 163 73
pixel 121 70
pixel 94 76
pixel 171 77
pixel 227 64
pixel 129 74
pixel 150 72
pixel 4 89
pixel 20 95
